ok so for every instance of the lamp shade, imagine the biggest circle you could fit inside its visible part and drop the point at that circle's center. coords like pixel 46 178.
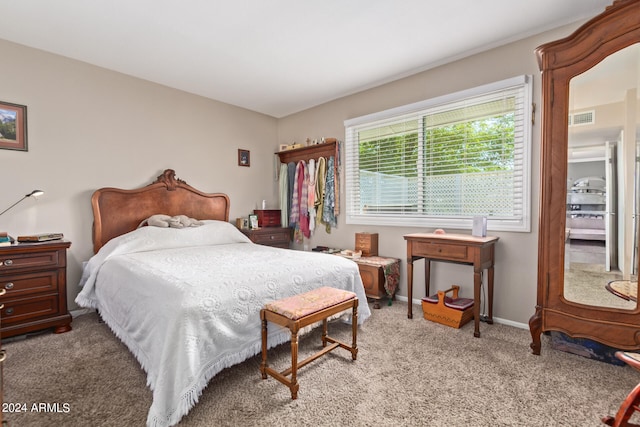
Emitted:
pixel 34 193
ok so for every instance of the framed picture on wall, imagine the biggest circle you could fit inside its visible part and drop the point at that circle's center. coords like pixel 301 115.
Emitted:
pixel 244 158
pixel 13 126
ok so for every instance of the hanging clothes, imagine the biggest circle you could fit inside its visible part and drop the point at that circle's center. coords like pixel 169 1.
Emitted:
pixel 304 200
pixel 338 163
pixel 328 215
pixel 312 195
pixel 285 200
pixel 291 177
pixel 321 172
pixel 299 212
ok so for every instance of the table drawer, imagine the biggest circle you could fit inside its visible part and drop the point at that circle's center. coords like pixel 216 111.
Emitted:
pixel 440 250
pixel 25 309
pixel 44 259
pixel 29 283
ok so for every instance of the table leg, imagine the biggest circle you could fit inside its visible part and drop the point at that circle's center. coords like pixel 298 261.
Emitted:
pixel 477 281
pixel 427 276
pixel 410 287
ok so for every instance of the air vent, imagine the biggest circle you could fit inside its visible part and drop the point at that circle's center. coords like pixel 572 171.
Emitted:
pixel 584 118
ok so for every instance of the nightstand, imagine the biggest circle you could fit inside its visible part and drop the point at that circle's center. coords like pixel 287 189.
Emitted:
pixel 270 236
pixel 380 277
pixel 34 276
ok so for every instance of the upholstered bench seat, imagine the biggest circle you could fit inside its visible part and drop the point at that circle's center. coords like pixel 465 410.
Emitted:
pixel 302 310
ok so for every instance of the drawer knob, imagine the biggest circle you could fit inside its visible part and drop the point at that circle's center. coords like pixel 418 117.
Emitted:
pixel 2 291
pixel 8 262
pixel 272 237
pixel 3 355
pixel 8 286
pixel 9 311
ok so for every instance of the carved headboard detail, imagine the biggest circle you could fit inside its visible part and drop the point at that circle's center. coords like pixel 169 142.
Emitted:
pixel 118 211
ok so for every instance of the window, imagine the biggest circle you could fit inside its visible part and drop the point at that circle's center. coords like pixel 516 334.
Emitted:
pixel 440 162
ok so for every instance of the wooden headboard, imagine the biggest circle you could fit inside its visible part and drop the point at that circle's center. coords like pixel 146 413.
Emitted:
pixel 117 211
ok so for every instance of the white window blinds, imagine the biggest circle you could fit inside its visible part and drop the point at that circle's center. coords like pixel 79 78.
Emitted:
pixel 442 161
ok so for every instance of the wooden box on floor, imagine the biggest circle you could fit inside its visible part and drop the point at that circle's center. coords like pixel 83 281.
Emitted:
pixel 449 311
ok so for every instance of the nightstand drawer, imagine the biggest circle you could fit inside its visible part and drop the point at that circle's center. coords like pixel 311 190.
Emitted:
pixel 16 261
pixel 20 310
pixel 268 239
pixel 18 285
pixel 269 236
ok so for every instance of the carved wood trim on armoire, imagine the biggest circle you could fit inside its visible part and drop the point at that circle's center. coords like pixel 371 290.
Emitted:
pixel 615 29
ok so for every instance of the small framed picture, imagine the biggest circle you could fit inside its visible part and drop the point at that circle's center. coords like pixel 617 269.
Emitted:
pixel 13 126
pixel 253 221
pixel 244 158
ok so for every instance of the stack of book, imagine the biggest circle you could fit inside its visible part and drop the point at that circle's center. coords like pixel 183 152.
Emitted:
pixel 45 237
pixel 5 239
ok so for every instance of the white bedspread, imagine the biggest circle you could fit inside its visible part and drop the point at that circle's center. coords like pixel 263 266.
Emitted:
pixel 187 301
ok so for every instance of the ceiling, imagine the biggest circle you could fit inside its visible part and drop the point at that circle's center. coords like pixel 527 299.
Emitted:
pixel 278 57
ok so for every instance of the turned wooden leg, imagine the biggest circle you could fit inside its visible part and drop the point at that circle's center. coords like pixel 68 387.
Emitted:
pixel 324 332
pixel 410 287
pixel 354 331
pixel 263 365
pixel 294 366
pixel 477 282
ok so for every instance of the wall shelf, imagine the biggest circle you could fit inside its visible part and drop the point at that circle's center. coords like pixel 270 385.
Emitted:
pixel 326 150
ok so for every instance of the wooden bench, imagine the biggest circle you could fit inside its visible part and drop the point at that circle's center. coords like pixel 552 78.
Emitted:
pixel 302 310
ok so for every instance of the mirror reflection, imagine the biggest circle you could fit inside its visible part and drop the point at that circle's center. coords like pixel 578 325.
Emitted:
pixel 603 177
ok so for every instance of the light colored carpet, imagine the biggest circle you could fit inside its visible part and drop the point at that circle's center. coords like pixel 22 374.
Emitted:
pixel 587 286
pixel 408 373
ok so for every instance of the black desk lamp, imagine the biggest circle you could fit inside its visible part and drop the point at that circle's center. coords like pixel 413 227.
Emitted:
pixel 34 193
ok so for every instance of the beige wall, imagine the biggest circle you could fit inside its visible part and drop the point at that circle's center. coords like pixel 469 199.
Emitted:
pixel 90 128
pixel 516 253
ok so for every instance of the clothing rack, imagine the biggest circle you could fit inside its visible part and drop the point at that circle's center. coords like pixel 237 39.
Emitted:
pixel 326 149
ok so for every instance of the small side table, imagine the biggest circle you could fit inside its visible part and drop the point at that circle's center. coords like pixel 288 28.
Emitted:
pixel 455 248
pixel 380 277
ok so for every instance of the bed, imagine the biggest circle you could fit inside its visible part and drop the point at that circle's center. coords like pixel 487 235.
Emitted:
pixel 186 301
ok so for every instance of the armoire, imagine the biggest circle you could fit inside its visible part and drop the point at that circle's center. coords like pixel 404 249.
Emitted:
pixel 589 289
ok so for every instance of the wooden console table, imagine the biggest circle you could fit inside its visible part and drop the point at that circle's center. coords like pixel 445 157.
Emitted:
pixel 455 248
